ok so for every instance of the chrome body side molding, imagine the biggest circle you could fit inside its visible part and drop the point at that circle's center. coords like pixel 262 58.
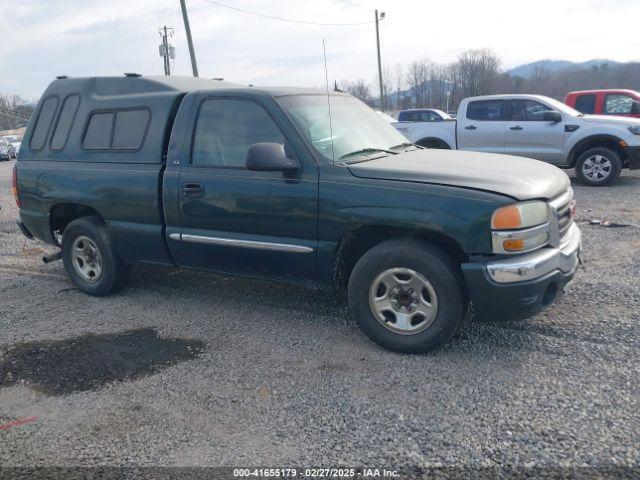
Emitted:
pixel 231 242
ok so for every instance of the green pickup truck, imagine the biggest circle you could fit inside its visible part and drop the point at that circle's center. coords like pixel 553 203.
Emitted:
pixel 295 185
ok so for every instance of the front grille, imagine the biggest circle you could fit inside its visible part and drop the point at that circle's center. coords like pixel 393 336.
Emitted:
pixel 562 207
pixel 564 220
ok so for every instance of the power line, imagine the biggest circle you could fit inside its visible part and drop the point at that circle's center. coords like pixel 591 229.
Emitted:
pixel 282 19
pixel 7 112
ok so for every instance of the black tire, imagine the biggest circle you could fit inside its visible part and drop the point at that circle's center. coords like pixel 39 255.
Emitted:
pixel 114 272
pixel 432 264
pixel 609 155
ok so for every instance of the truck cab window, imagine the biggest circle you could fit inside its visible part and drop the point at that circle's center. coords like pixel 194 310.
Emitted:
pixel 618 104
pixel 226 129
pixel 487 110
pixel 528 110
pixel 429 116
pixel 586 103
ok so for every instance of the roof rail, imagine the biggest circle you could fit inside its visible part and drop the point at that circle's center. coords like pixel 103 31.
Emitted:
pixel 131 74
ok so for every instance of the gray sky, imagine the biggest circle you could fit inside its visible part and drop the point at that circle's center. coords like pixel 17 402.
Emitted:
pixel 105 37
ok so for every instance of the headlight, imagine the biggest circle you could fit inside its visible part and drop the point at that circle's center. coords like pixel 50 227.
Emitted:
pixel 635 129
pixel 520 227
pixel 520 215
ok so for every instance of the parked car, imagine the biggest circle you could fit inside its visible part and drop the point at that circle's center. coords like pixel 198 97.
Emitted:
pixel 606 102
pixel 214 176
pixel 538 127
pixel 423 115
pixel 7 151
pixel 11 138
pixel 14 142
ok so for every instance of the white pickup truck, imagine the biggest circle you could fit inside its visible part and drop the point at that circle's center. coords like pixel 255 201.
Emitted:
pixel 537 127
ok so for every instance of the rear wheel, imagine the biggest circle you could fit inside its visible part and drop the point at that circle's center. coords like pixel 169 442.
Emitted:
pixel 90 259
pixel 406 296
pixel 598 166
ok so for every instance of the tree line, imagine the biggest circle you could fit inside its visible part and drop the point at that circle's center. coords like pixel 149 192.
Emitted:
pixel 13 111
pixel 423 83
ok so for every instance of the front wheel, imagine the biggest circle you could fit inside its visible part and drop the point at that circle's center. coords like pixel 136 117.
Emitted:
pixel 406 296
pixel 90 259
pixel 598 166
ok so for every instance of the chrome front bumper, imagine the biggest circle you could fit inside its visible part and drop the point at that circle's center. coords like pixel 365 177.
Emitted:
pixel 530 266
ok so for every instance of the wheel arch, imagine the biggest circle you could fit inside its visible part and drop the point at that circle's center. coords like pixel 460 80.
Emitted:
pixel 359 240
pixel 598 140
pixel 62 214
pixel 434 142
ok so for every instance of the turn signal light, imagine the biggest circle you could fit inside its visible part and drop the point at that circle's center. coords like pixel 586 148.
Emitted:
pixel 507 217
pixel 513 245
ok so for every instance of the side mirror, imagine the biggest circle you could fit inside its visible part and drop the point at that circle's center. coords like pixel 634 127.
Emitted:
pixel 552 116
pixel 269 157
pixel 635 108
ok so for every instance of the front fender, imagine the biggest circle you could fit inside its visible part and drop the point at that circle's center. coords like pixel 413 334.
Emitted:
pixel 590 136
pixel 459 214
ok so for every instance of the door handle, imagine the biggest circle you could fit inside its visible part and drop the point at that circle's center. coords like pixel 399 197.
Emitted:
pixel 517 127
pixel 193 189
pixel 470 127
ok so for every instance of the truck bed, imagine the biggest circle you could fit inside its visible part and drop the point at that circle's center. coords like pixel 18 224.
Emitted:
pixel 127 192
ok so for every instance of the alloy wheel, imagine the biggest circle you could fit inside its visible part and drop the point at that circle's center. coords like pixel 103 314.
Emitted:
pixel 597 168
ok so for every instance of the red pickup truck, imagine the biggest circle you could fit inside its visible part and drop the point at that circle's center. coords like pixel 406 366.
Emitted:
pixel 605 102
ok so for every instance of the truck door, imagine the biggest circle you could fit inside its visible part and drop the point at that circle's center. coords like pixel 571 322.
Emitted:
pixel 482 127
pixel 529 135
pixel 233 220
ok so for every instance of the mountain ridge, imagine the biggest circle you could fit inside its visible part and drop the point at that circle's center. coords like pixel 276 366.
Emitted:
pixel 527 69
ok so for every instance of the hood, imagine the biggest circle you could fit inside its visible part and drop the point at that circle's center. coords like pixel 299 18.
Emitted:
pixel 517 177
pixel 611 119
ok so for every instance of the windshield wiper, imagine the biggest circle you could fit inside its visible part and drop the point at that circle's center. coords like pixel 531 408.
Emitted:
pixel 368 150
pixel 404 145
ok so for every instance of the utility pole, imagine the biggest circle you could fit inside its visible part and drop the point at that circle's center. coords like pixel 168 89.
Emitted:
pixel 167 52
pixel 192 53
pixel 382 99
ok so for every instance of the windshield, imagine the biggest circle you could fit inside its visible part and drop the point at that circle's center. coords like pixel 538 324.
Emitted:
pixel 354 130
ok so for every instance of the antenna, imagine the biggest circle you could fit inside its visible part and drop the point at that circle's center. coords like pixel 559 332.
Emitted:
pixel 326 77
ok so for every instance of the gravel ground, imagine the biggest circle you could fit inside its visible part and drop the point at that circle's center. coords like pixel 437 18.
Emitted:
pixel 258 373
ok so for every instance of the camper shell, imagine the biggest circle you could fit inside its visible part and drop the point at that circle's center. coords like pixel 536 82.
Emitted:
pixel 78 118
